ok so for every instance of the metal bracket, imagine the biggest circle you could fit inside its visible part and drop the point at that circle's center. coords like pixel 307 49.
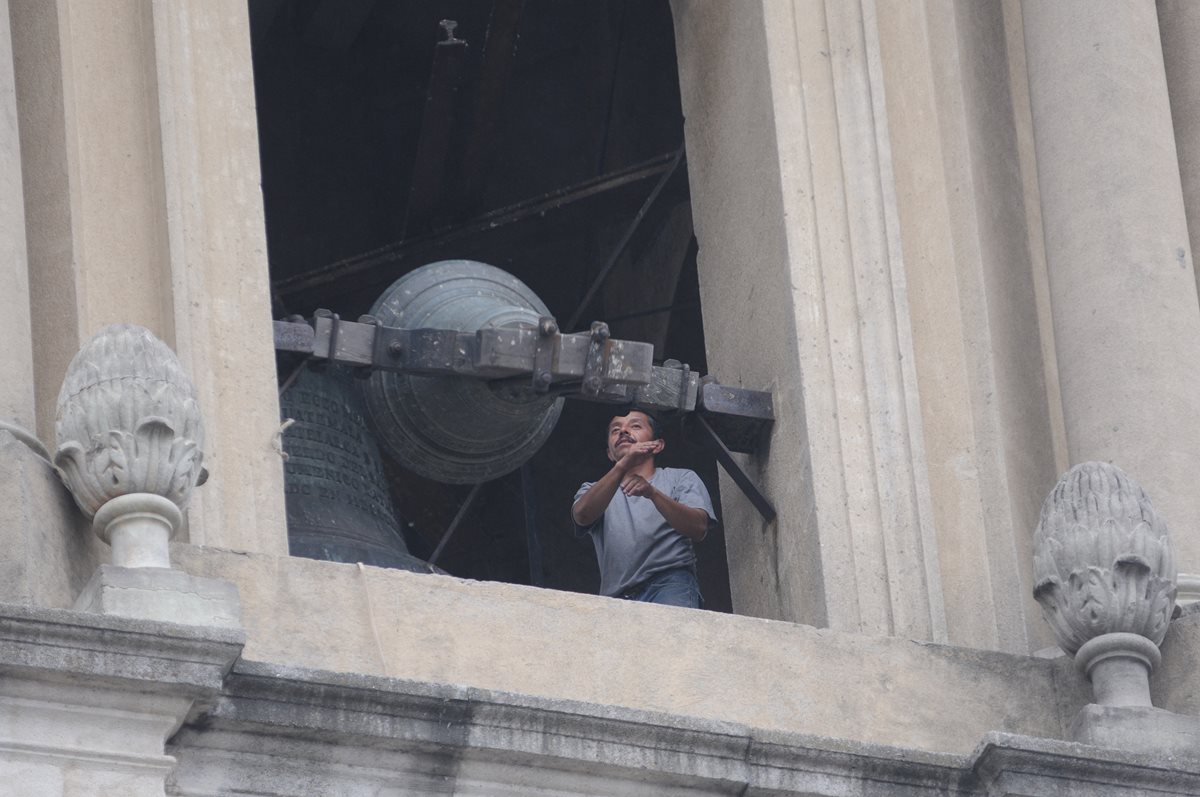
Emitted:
pixel 334 322
pixel 422 351
pixel 739 416
pixel 593 366
pixel 543 353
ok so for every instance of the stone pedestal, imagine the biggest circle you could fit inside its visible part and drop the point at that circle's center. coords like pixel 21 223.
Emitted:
pixel 1141 729
pixel 162 594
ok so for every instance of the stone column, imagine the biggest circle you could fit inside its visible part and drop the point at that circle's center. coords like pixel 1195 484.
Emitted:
pixel 216 234
pixel 792 196
pixel 16 355
pixel 1122 285
pixel 1179 26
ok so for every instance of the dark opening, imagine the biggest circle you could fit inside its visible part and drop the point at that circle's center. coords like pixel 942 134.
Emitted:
pixel 527 135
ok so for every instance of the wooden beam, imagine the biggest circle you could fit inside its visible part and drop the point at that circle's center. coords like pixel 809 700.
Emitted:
pixel 427 191
pixel 499 52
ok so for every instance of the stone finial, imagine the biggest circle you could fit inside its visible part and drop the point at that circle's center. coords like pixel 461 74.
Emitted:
pixel 1105 575
pixel 130 441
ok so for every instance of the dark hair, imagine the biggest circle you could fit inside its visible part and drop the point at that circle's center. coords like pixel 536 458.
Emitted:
pixel 655 425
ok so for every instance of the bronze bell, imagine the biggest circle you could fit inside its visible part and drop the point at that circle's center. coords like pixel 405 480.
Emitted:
pixel 458 430
pixel 338 504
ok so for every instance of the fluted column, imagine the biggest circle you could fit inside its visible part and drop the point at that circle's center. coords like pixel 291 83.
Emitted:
pixel 1122 285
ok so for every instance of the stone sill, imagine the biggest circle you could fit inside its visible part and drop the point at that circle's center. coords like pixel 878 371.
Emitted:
pixel 767 675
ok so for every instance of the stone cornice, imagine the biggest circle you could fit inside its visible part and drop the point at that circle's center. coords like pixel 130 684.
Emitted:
pixel 1008 763
pixel 392 733
pixel 154 656
pixel 298 709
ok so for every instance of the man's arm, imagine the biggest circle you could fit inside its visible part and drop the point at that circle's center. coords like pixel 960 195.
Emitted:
pixel 690 521
pixel 591 505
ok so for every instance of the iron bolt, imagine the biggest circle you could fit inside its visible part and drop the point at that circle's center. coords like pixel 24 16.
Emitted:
pixel 548 327
pixel 395 348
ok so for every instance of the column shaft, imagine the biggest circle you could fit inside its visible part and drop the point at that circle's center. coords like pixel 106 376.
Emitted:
pixel 1123 290
pixel 16 355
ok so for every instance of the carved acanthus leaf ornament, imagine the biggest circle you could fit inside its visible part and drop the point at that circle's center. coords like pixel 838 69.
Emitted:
pixel 128 421
pixel 1103 561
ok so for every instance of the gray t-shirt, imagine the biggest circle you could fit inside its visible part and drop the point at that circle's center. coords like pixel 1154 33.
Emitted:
pixel 634 541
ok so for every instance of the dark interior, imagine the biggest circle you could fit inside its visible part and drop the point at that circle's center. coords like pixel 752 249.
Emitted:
pixel 527 134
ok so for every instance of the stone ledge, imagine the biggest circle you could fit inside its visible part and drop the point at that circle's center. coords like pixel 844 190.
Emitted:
pixel 326 616
pixel 1009 764
pixel 293 727
pixel 156 656
pixel 413 729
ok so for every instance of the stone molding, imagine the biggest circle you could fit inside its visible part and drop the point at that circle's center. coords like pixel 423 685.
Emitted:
pixel 291 731
pixel 151 656
pixel 88 702
pixel 453 739
pixel 1006 764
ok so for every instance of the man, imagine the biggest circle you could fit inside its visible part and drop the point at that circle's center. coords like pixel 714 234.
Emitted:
pixel 642 519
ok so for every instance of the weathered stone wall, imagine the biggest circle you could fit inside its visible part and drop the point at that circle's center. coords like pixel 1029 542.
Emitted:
pixel 761 673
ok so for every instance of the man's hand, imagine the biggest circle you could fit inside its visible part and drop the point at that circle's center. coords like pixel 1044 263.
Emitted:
pixel 637 453
pixel 635 485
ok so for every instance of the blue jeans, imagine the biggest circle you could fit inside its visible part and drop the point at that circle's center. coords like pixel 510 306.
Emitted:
pixel 674 587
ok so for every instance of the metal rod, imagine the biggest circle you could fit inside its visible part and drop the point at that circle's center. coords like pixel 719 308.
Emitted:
pixel 666 308
pixel 291 378
pixel 499 54
pixel 370 265
pixel 748 487
pixel 462 512
pixel 624 242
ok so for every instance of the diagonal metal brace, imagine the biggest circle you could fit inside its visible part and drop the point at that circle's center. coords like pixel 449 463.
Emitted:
pixel 744 482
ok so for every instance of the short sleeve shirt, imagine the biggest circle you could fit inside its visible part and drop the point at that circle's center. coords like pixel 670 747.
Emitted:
pixel 634 541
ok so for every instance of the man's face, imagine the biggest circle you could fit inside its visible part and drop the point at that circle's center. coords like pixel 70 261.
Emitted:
pixel 625 430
